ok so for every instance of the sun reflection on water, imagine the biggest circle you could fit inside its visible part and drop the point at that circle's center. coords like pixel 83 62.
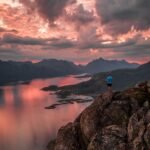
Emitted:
pixel 24 123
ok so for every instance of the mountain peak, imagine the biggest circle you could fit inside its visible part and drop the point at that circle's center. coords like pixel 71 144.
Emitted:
pixel 102 65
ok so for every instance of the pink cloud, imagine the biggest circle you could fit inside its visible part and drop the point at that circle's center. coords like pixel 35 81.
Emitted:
pixel 80 34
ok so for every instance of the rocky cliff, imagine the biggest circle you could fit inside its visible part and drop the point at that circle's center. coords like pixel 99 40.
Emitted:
pixel 114 121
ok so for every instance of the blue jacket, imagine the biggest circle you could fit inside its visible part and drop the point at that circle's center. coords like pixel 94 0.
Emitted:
pixel 109 80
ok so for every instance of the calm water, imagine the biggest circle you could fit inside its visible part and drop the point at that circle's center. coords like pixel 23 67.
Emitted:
pixel 24 123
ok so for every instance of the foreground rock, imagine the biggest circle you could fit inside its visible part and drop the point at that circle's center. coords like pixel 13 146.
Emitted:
pixel 114 121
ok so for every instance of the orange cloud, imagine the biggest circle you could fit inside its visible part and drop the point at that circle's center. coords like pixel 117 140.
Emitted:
pixel 76 41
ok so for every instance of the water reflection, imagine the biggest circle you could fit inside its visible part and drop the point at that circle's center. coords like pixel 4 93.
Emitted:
pixel 24 123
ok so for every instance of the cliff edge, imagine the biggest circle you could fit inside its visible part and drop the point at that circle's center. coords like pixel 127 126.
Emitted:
pixel 114 121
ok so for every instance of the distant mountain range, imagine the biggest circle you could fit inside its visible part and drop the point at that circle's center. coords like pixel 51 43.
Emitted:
pixel 11 71
pixel 122 79
pixel 102 65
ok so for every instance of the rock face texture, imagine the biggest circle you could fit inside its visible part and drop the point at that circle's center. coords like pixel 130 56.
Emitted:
pixel 114 121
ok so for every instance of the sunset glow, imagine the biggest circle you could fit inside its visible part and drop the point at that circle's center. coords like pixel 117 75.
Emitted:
pixel 24 119
pixel 34 30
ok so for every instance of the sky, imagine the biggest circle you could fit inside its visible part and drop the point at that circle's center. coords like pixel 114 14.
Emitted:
pixel 75 30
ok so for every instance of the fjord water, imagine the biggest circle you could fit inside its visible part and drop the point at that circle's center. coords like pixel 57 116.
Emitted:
pixel 24 123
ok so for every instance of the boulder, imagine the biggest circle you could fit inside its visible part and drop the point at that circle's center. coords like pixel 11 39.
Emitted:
pixel 90 118
pixel 67 138
pixel 110 138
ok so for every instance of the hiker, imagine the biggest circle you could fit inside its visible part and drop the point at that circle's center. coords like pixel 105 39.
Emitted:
pixel 109 83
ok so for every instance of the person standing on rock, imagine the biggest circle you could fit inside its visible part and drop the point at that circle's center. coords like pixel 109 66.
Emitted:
pixel 109 83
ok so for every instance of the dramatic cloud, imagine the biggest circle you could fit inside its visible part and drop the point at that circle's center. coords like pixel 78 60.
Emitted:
pixel 9 51
pixel 102 45
pixel 17 19
pixel 81 16
pixel 33 48
pixel 7 30
pixel 120 15
pixel 13 39
pixel 76 30
pixel 62 44
pixel 48 9
pixel 50 43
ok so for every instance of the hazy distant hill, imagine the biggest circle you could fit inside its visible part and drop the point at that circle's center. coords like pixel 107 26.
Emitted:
pixel 21 71
pixel 11 71
pixel 101 65
pixel 122 79
pixel 61 67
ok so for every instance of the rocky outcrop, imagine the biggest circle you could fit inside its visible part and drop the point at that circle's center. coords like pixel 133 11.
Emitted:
pixel 114 121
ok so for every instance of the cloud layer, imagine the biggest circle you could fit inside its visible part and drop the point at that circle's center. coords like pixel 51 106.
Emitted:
pixel 120 15
pixel 48 9
pixel 76 30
